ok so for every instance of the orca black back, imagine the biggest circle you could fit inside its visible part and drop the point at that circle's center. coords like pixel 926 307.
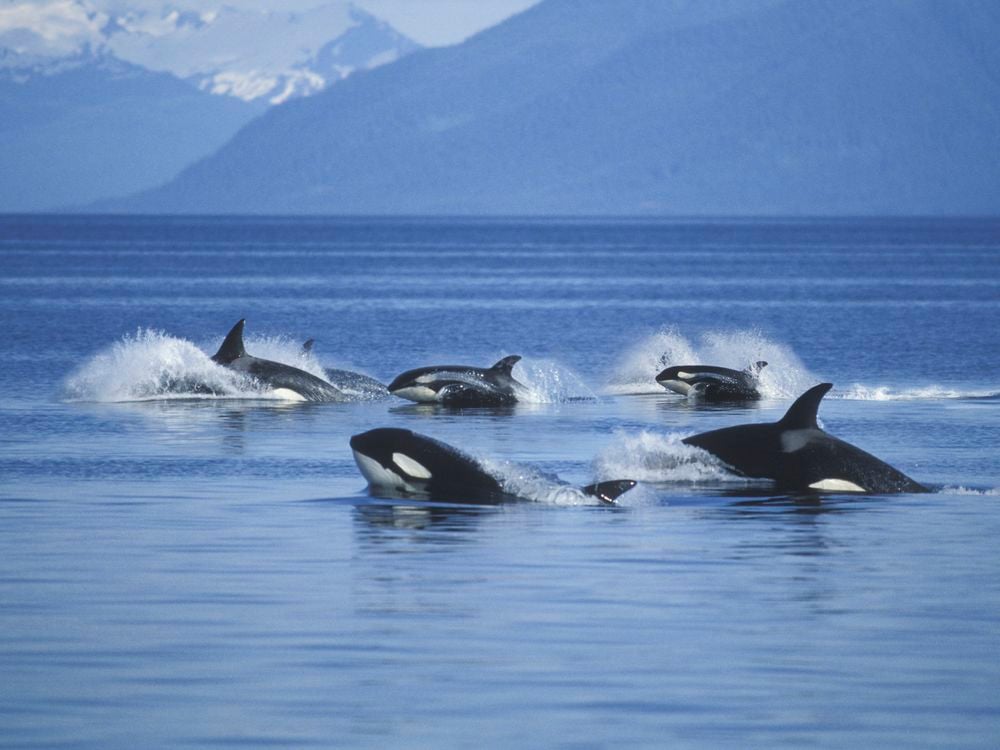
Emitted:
pixel 800 456
pixel 277 376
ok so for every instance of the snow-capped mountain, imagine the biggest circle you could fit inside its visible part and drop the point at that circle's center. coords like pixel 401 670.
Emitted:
pixel 100 98
pixel 250 54
pixel 734 107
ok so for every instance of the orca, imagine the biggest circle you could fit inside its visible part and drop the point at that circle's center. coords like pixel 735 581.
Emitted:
pixel 711 383
pixel 460 385
pixel 354 384
pixel 800 456
pixel 410 464
pixel 284 380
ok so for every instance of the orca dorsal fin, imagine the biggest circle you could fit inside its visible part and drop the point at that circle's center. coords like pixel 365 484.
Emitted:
pixel 506 365
pixel 308 346
pixel 610 490
pixel 232 347
pixel 802 414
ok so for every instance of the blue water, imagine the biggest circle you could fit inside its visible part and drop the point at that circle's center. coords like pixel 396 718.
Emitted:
pixel 181 572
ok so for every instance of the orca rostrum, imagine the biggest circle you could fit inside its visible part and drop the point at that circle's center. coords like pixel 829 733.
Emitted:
pixel 403 462
pixel 800 456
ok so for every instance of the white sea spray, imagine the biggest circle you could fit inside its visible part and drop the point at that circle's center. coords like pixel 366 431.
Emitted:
pixel 546 381
pixel 656 457
pixel 784 377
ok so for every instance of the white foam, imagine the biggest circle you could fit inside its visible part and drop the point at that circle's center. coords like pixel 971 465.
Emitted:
pixel 654 457
pixel 534 485
pixel 643 361
pixel 285 350
pixel 995 492
pixel 153 365
pixel 150 365
pixel 547 382
pixel 861 392
pixel 784 377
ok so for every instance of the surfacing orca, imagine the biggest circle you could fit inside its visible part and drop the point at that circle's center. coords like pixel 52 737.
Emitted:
pixel 800 456
pixel 713 383
pixel 460 385
pixel 285 380
pixel 351 383
pixel 406 462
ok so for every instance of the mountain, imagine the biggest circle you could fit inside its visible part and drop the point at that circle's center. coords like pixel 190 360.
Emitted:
pixel 93 105
pixel 643 107
pixel 271 55
pixel 90 126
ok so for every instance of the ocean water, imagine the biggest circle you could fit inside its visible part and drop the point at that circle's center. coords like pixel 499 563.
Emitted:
pixel 213 572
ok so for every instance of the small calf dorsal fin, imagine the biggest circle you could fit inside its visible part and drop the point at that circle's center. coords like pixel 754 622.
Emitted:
pixel 506 365
pixel 802 414
pixel 308 346
pixel 609 491
pixel 232 347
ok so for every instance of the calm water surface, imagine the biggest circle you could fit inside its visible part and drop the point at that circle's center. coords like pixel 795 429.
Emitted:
pixel 213 572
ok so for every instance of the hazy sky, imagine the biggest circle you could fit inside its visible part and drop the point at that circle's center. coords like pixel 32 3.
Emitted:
pixel 429 22
pixel 438 22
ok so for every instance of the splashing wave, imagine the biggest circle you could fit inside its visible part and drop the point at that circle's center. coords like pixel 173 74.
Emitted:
pixel 153 365
pixel 284 349
pixel 860 392
pixel 548 382
pixel 654 457
pixel 784 377
pixel 994 492
pixel 535 485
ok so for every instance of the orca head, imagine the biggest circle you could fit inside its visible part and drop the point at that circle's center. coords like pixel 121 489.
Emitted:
pixel 669 374
pixel 688 374
pixel 678 379
pixel 457 383
pixel 415 385
pixel 393 457
pixel 232 347
pixel 756 367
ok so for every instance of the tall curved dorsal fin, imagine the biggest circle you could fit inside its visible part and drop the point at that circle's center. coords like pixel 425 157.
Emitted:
pixel 802 414
pixel 232 347
pixel 506 364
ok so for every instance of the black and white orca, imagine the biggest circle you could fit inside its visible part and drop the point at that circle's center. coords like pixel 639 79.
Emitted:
pixel 404 462
pixel 711 383
pixel 284 380
pixel 460 385
pixel 355 384
pixel 800 456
